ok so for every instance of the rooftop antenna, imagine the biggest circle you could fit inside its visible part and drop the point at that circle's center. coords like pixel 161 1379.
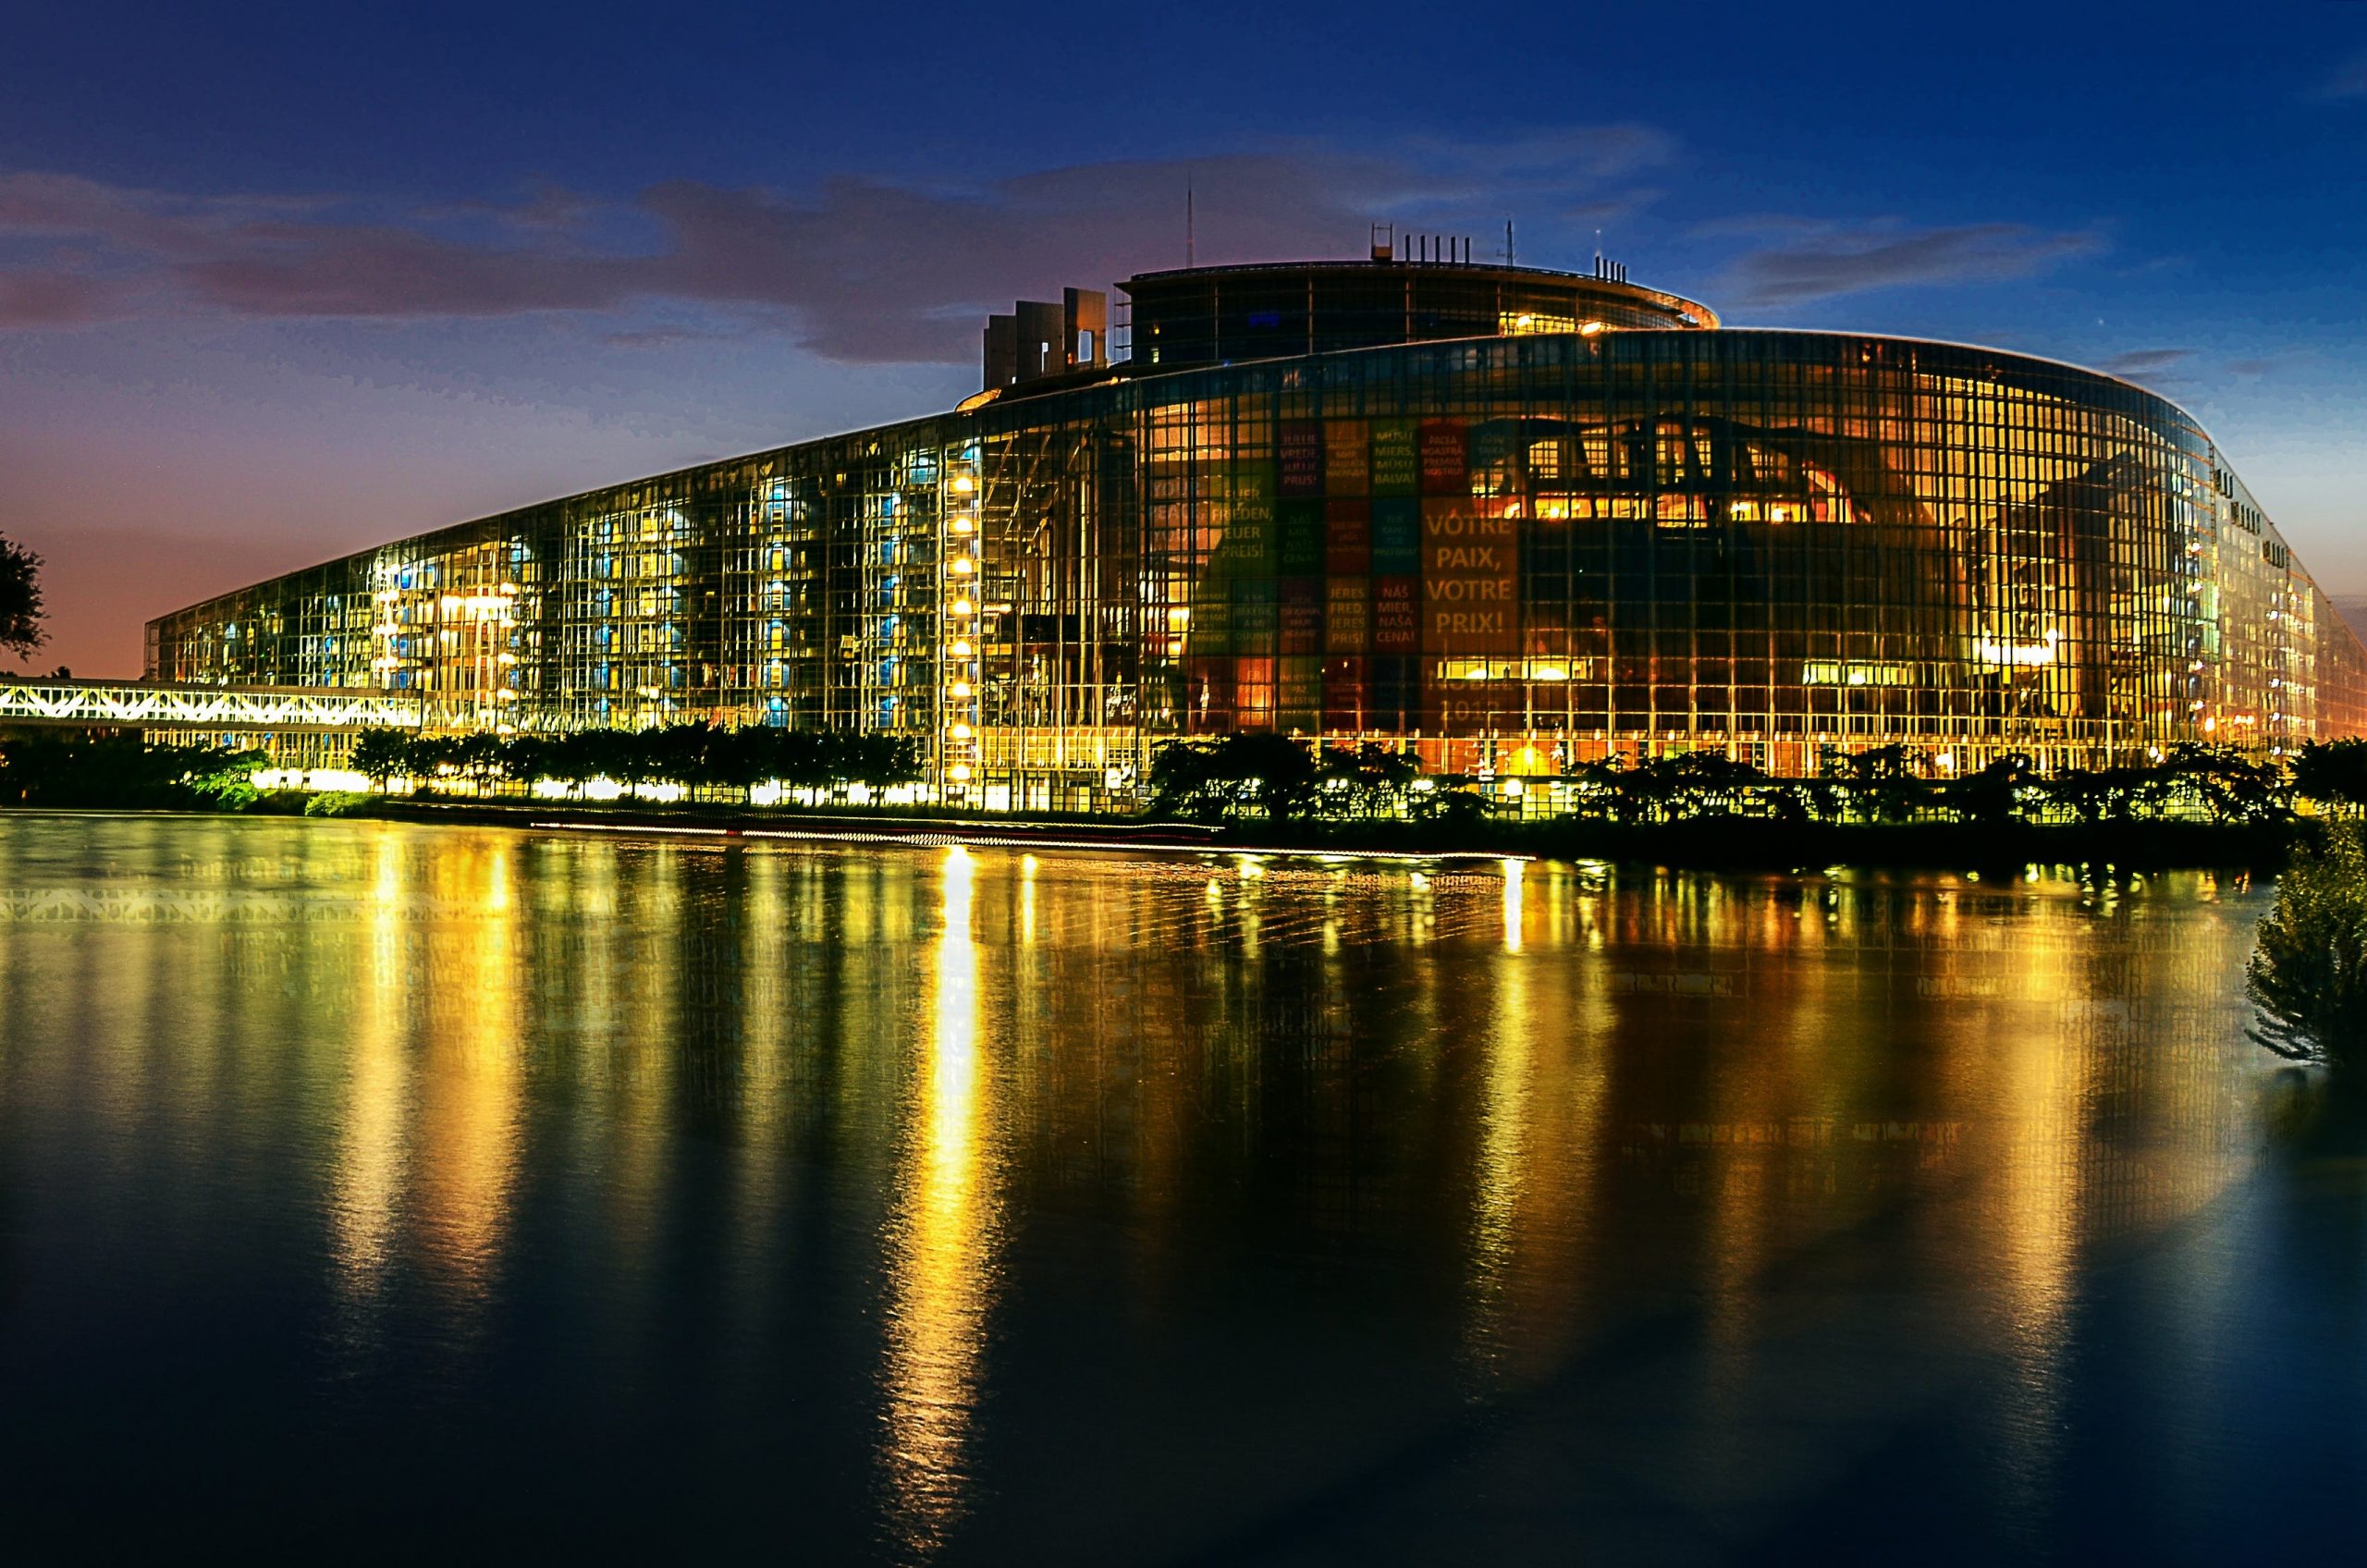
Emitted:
pixel 1508 242
pixel 1190 255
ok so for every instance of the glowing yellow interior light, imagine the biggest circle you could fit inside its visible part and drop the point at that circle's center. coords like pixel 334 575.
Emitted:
pixel 959 689
pixel 1588 329
pixel 963 606
pixel 962 567
pixel 961 731
pixel 958 772
pixel 962 525
pixel 961 648
pixel 964 485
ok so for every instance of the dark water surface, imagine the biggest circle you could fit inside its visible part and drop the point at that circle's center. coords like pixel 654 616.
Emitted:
pixel 376 1190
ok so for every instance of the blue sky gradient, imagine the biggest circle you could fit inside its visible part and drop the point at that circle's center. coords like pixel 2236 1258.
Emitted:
pixel 285 284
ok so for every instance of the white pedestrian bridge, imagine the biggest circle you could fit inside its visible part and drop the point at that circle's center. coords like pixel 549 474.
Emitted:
pixel 140 704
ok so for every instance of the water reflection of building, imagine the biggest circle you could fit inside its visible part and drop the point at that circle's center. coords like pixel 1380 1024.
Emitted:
pixel 1521 517
pixel 941 1241
pixel 932 1075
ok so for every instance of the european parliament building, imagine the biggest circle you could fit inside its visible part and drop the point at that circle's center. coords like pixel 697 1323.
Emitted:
pixel 1513 519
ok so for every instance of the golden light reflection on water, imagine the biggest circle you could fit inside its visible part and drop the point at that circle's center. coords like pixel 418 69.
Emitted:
pixel 1538 1094
pixel 2041 1095
pixel 367 1178
pixel 942 1244
pixel 469 1098
pixel 1503 1161
pixel 427 1143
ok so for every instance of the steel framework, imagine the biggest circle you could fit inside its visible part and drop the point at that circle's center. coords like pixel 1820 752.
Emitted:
pixel 100 704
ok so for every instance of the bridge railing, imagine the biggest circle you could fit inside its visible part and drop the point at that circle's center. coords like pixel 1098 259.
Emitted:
pixel 97 704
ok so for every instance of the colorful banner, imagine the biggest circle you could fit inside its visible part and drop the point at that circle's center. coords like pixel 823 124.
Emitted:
pixel 1302 615
pixel 1470 580
pixel 1299 447
pixel 1211 630
pixel 1347 464
pixel 1396 615
pixel 1347 537
pixel 1254 616
pixel 1300 523
pixel 1396 469
pixel 1347 615
pixel 1396 537
pixel 1249 530
pixel 1445 467
pixel 1299 700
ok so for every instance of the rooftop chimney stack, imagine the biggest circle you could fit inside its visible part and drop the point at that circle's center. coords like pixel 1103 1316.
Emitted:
pixel 1041 338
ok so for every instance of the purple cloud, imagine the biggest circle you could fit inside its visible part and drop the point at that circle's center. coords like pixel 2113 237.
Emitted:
pixel 867 269
pixel 1814 262
pixel 55 298
pixel 2143 362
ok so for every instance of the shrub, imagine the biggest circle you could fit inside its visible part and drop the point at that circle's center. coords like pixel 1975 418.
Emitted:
pixel 2308 972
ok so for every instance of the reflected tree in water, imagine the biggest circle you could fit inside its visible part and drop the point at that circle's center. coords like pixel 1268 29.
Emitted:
pixel 2309 972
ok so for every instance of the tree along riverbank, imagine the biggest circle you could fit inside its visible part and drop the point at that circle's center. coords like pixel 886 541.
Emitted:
pixel 2193 806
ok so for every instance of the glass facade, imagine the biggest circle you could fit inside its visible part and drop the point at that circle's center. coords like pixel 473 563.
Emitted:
pixel 1514 553
pixel 1221 315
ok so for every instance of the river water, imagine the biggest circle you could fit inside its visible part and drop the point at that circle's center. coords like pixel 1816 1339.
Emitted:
pixel 390 1190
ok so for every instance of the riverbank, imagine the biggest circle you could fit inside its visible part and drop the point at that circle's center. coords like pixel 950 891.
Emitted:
pixel 1709 844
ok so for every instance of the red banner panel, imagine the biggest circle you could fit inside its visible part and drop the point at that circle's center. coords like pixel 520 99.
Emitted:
pixel 1347 615
pixel 1445 469
pixel 1347 537
pixel 1396 616
pixel 1302 615
pixel 1348 462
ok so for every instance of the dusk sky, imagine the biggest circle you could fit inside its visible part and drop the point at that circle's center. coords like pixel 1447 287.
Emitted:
pixel 278 282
